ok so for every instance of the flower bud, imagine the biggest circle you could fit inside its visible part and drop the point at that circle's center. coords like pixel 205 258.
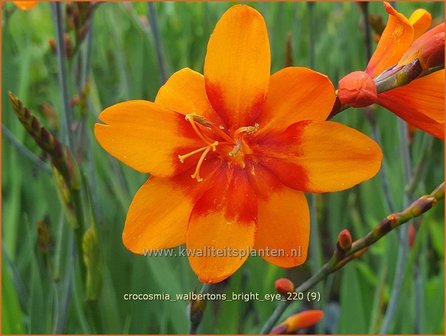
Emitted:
pixel 25 5
pixel 196 310
pixel 44 239
pixel 345 240
pixel 428 49
pixel 284 286
pixel 92 261
pixel 357 89
pixel 298 321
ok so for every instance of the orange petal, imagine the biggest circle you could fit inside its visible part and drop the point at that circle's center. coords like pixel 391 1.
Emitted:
pixel 159 213
pixel 296 94
pixel 184 92
pixel 298 321
pixel 420 103
pixel 25 5
pixel 428 48
pixel 283 223
pixel 303 320
pixel 158 216
pixel 146 137
pixel 420 20
pixel 395 40
pixel 221 228
pixel 320 156
pixel 237 66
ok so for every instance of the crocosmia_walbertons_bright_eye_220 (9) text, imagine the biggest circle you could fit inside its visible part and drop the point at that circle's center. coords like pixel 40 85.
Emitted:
pixel 231 153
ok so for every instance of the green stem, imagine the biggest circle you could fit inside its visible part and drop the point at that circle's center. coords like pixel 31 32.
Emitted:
pixel 371 117
pixel 153 21
pixel 25 152
pixel 196 316
pixel 62 73
pixel 310 6
pixel 417 208
pixel 403 247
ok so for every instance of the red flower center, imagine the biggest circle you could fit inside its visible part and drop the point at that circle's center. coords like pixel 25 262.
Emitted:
pixel 229 146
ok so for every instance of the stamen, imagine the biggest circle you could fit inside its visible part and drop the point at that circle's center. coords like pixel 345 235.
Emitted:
pixel 196 174
pixel 195 118
pixel 247 129
pixel 191 118
pixel 236 149
pixel 213 146
pixel 205 150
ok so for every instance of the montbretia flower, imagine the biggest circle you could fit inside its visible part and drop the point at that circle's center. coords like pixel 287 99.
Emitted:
pixel 25 5
pixel 421 102
pixel 231 152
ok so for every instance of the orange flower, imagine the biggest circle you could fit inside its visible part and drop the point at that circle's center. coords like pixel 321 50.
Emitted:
pixel 421 102
pixel 298 321
pixel 25 5
pixel 231 152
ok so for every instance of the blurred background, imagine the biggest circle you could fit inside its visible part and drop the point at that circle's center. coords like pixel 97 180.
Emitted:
pixel 122 51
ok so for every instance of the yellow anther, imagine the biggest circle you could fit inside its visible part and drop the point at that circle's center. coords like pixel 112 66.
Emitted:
pixel 192 118
pixel 247 129
pixel 236 149
pixel 217 130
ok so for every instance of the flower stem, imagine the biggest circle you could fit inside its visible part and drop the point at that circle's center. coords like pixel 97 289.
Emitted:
pixel 196 310
pixel 56 8
pixel 388 224
pixel 153 21
pixel 370 113
pixel 25 152
pixel 310 6
pixel 403 247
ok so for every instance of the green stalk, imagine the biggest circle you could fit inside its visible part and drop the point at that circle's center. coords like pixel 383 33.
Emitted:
pixel 196 310
pixel 388 224
pixel 371 117
pixel 25 152
pixel 153 21
pixel 403 247
pixel 67 115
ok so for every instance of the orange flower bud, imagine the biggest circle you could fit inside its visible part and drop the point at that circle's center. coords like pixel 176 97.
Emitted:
pixel 298 321
pixel 284 286
pixel 25 5
pixel 345 240
pixel 357 89
pixel 428 49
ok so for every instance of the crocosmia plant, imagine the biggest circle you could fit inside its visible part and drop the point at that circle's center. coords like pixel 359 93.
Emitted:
pixel 232 152
pixel 223 168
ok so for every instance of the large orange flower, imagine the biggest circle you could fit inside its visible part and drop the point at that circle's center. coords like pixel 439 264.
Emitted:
pixel 231 153
pixel 421 102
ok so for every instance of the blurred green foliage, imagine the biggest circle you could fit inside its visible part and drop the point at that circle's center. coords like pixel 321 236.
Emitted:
pixel 43 292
